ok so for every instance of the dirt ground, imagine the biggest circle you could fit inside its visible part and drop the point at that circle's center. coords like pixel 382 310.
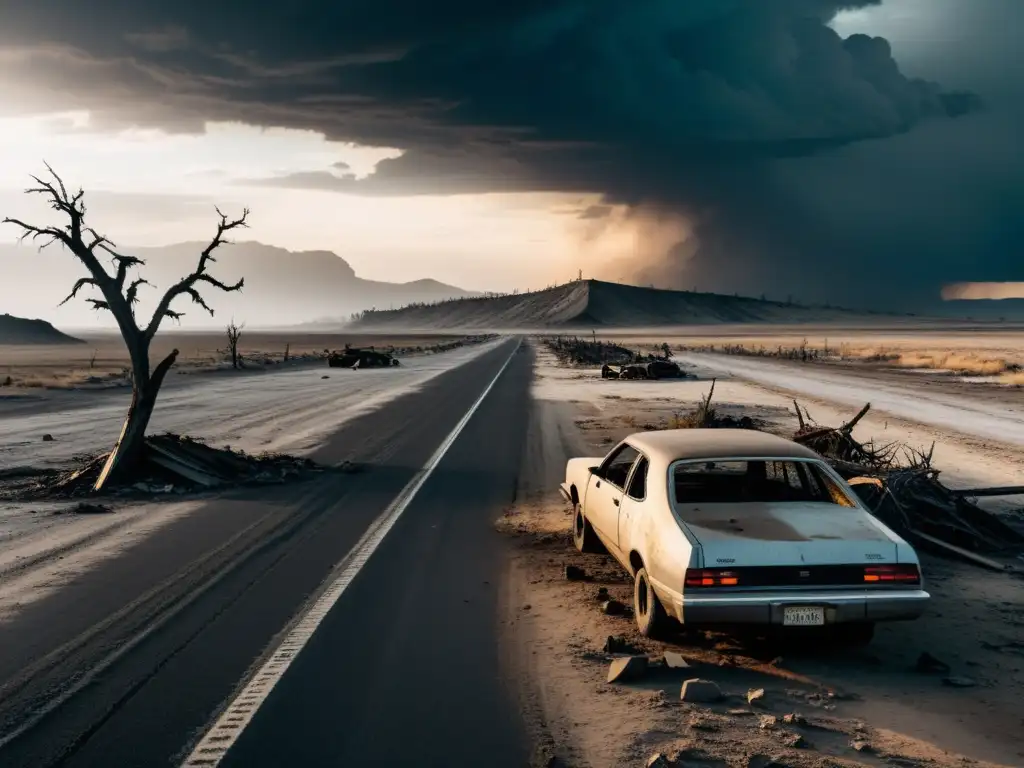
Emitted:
pixel 868 707
pixel 102 362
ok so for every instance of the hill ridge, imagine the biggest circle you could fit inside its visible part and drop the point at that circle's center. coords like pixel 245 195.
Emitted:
pixel 23 331
pixel 596 303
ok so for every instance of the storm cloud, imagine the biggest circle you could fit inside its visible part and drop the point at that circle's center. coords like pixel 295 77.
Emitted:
pixel 803 162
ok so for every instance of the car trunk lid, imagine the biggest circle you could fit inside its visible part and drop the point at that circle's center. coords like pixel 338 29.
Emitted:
pixel 786 534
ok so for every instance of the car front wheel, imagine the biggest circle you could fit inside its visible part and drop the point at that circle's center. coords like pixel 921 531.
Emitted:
pixel 583 534
pixel 651 618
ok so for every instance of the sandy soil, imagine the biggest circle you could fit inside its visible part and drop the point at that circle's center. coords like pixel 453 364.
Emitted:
pixel 869 697
pixel 101 362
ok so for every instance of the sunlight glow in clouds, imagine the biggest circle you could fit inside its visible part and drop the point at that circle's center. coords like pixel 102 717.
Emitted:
pixel 148 187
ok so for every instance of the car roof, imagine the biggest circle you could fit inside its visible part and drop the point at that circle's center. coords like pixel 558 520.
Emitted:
pixel 670 445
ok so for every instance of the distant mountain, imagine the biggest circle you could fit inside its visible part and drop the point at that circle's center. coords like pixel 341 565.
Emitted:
pixel 282 287
pixel 22 331
pixel 593 303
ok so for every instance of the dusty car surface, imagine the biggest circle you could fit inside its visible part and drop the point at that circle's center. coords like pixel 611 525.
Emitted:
pixel 727 527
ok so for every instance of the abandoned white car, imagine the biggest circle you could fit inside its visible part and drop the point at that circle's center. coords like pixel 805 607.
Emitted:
pixel 726 527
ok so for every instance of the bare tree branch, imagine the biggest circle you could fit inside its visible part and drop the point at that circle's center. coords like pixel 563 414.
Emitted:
pixel 82 282
pixel 98 304
pixel 186 286
pixel 132 294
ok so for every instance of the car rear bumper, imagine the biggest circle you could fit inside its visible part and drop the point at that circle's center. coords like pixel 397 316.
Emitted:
pixel 846 606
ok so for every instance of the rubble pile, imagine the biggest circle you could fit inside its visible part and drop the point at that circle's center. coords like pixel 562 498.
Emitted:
pixel 356 358
pixel 706 416
pixel 577 351
pixel 902 488
pixel 171 464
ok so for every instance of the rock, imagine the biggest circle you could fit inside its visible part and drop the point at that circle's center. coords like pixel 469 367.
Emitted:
pixel 794 719
pixel 574 573
pixel 768 722
pixel 860 745
pixel 740 712
pixel 700 723
pixel 763 761
pixel 927 663
pixel 618 644
pixel 613 608
pixel 527 607
pixel 627 668
pixel 47 438
pixel 791 739
pixel 658 760
pixel 675 660
pixel 959 682
pixel 755 696
pixel 700 691
pixel 602 594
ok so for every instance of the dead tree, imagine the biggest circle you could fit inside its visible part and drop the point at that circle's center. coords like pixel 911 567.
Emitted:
pixel 234 334
pixel 119 297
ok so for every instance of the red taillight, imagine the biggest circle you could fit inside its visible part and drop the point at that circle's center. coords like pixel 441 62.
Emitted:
pixel 711 577
pixel 904 574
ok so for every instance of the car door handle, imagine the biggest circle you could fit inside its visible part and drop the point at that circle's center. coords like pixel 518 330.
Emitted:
pixel 597 484
pixel 615 502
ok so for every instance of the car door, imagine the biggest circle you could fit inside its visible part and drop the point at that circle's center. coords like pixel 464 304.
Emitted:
pixel 604 494
pixel 631 505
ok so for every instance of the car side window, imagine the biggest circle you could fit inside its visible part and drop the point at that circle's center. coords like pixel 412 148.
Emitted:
pixel 616 468
pixel 638 483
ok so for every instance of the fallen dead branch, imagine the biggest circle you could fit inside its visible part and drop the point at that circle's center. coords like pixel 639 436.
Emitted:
pixel 706 416
pixel 902 488
pixel 170 464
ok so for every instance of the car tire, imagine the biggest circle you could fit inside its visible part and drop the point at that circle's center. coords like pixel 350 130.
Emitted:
pixel 583 534
pixel 651 618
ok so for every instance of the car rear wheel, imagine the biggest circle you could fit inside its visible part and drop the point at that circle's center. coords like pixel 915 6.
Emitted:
pixel 651 618
pixel 583 534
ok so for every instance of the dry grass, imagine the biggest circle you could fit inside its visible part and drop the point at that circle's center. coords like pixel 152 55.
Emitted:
pixel 103 362
pixel 1015 379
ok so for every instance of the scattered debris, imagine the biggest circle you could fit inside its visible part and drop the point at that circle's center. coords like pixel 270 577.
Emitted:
pixel 576 351
pixel 859 745
pixel 613 608
pixel 84 508
pixel 791 739
pixel 602 594
pixel 170 463
pixel 618 644
pixel 763 761
pixel 575 573
pixel 700 691
pixel 675 660
pixel 47 438
pixel 699 722
pixel 356 358
pixel 626 668
pixel 706 416
pixel 926 663
pixel 959 682
pixel 755 696
pixel 902 489
pixel 794 718
pixel 767 722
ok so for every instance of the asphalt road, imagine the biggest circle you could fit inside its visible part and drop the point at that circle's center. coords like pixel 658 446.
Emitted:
pixel 129 663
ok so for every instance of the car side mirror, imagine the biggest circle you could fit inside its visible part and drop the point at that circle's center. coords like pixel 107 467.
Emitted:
pixel 596 472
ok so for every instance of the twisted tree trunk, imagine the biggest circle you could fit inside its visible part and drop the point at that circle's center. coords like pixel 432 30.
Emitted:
pixel 130 448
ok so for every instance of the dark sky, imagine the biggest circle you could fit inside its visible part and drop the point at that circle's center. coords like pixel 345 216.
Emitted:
pixel 810 164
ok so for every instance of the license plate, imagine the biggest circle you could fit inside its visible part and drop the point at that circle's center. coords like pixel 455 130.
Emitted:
pixel 803 616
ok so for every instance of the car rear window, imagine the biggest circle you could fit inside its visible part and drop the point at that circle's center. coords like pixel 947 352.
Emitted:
pixel 738 482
